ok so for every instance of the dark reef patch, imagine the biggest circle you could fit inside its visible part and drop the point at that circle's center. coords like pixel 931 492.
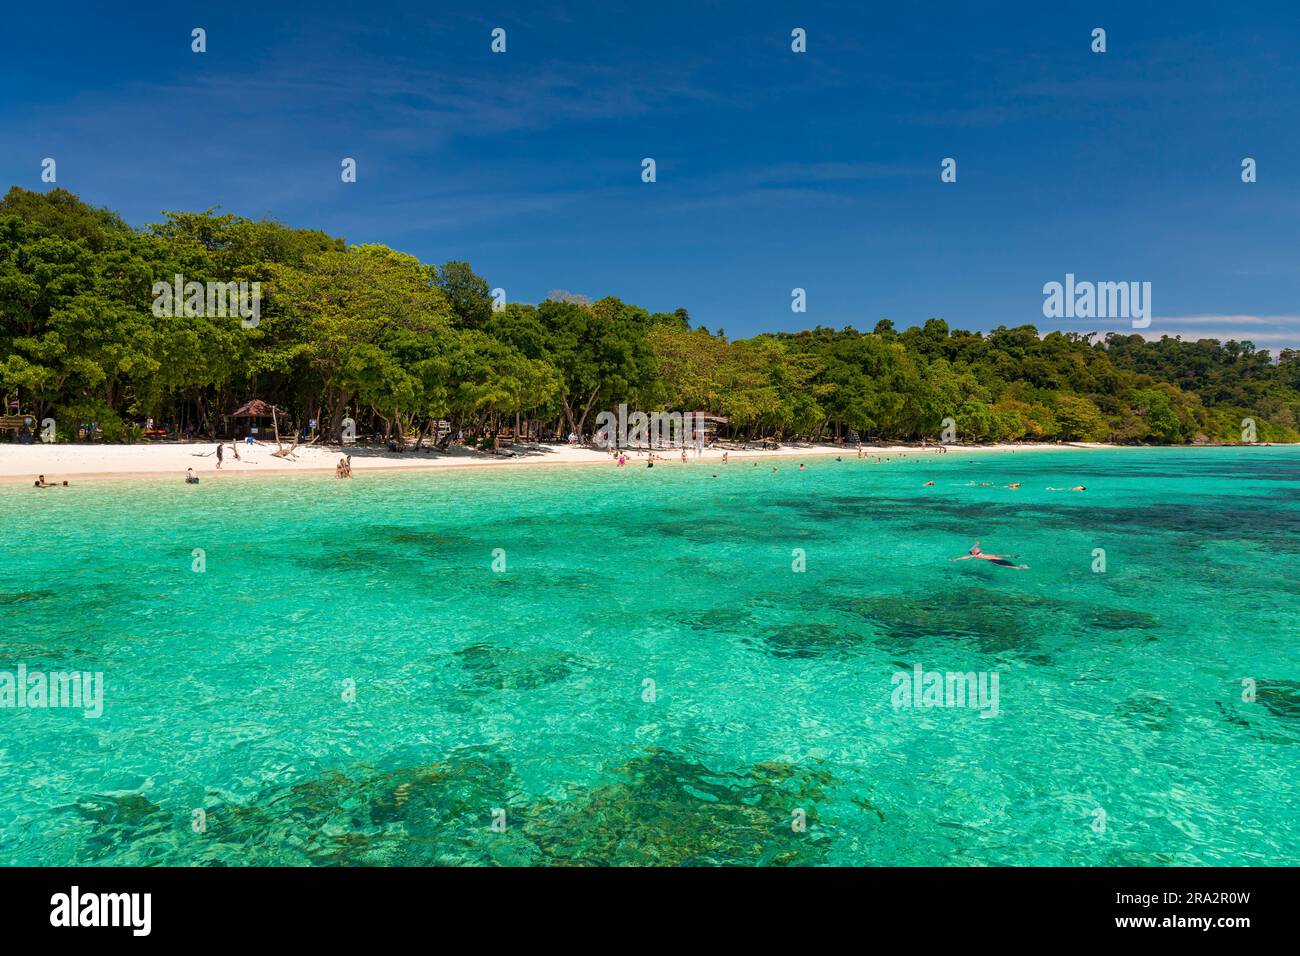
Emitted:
pixel 1118 619
pixel 720 619
pixel 119 819
pixel 807 639
pixel 505 668
pixel 1280 697
pixel 666 810
pixel 22 597
pixel 994 620
pixel 433 814
pixel 1149 711
pixel 657 808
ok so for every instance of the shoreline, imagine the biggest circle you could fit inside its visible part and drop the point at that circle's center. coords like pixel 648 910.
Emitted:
pixel 23 463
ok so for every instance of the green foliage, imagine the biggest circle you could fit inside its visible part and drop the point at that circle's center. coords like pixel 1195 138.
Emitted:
pixel 370 333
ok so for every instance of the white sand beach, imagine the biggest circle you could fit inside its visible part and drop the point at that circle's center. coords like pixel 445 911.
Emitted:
pixel 23 463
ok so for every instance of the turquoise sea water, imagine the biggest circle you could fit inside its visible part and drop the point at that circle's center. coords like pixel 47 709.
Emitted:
pixel 1120 693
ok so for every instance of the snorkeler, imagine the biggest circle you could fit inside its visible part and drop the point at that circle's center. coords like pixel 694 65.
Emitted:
pixel 1075 488
pixel 928 484
pixel 980 555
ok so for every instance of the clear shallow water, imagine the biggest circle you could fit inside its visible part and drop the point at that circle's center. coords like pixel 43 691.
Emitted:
pixel 523 691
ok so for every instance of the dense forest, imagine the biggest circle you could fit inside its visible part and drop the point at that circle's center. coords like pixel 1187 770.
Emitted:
pixel 367 333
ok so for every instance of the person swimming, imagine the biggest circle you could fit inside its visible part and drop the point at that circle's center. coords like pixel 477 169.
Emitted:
pixel 980 555
pixel 1075 488
pixel 928 484
pixel 1014 484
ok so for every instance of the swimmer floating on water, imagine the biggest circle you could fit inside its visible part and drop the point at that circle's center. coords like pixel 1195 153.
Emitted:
pixel 1001 559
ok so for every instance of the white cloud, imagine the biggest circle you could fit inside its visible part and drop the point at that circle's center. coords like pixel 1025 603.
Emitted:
pixel 1273 332
pixel 1270 332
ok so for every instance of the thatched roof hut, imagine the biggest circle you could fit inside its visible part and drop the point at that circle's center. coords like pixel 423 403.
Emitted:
pixel 253 409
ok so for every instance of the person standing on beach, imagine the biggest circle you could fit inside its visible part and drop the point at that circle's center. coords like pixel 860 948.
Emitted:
pixel 220 452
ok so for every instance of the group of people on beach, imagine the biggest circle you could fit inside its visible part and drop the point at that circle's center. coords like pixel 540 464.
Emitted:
pixel 344 468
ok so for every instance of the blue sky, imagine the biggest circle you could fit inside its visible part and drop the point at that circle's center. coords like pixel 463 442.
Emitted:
pixel 775 170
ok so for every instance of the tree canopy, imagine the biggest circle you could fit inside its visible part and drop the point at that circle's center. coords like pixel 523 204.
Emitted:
pixel 395 344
